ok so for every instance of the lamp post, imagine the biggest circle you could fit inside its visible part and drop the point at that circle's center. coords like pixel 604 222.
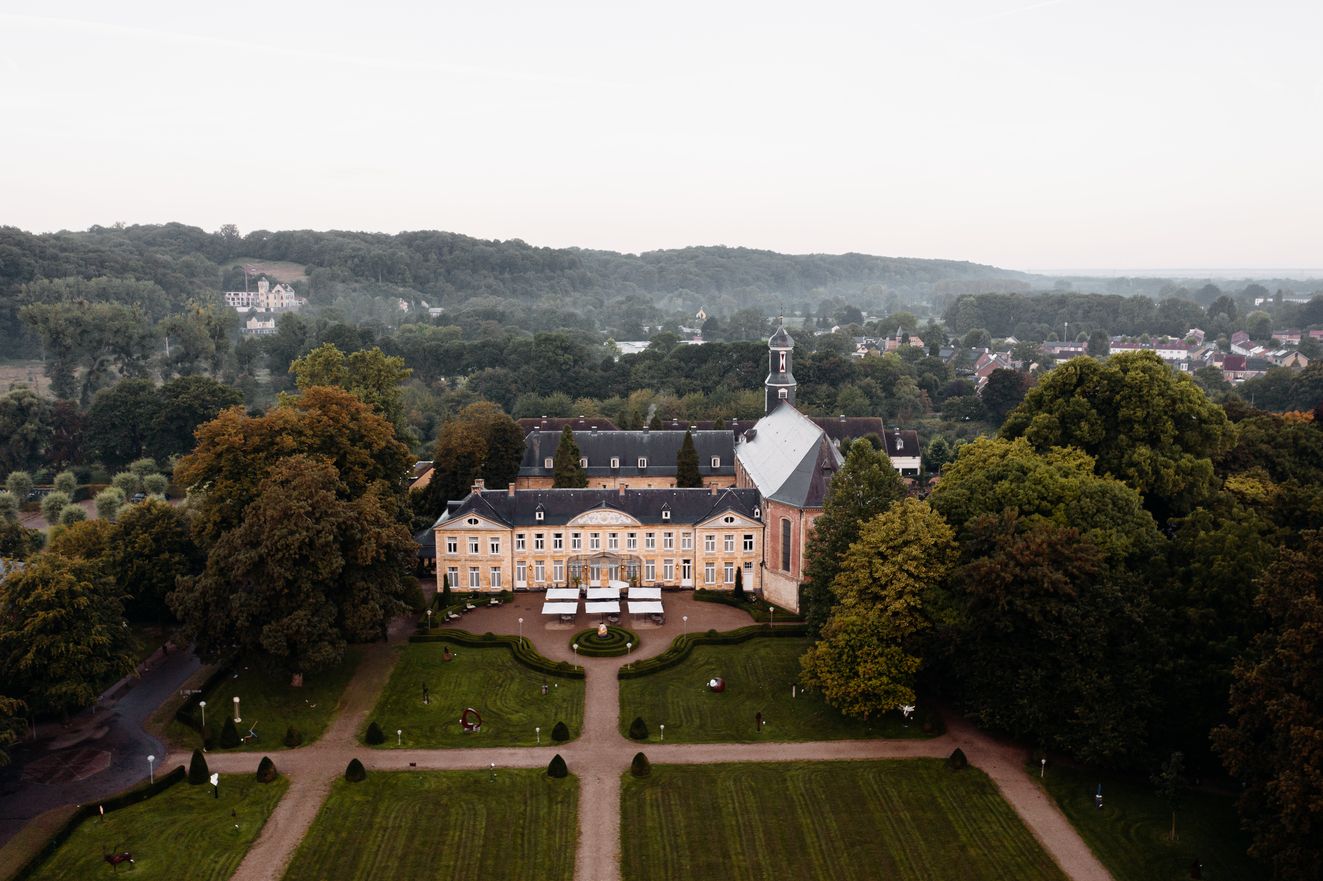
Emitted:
pixel 771 615
pixel 202 705
pixel 1042 767
pixel 399 737
pixel 662 726
pixel 151 769
pixel 429 619
pixel 521 629
pixel 538 732
pixel 576 649
pixel 685 619
pixel 629 648
pixel 236 709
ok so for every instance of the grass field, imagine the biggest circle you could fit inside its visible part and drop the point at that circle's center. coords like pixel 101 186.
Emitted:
pixel 845 821
pixel 28 373
pixel 432 825
pixel 507 694
pixel 267 701
pixel 274 270
pixel 182 834
pixel 758 674
pixel 1129 833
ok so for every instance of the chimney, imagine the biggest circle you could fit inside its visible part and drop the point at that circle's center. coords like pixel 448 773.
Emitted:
pixel 622 490
pixel 594 434
pixel 842 417
pixel 479 485
pixel 509 491
pixel 713 489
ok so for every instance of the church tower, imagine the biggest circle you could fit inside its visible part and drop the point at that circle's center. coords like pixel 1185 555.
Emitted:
pixel 780 382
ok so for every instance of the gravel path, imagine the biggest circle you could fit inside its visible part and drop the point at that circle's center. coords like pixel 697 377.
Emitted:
pixel 600 755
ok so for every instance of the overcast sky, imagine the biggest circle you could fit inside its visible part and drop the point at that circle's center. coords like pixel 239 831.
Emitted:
pixel 1035 135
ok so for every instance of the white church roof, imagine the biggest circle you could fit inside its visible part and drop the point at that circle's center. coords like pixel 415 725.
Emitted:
pixel 781 455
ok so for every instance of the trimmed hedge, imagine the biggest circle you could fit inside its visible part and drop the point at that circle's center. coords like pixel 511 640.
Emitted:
pixel 355 772
pixel 188 712
pixel 684 644
pixel 87 811
pixel 617 642
pixel 556 768
pixel 757 609
pixel 521 649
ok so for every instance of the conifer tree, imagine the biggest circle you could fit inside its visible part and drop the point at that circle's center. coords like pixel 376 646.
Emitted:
pixel 569 474
pixel 686 464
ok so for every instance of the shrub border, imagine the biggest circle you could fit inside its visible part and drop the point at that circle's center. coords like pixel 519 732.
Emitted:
pixel 684 644
pixel 131 796
pixel 520 649
pixel 185 714
pixel 756 609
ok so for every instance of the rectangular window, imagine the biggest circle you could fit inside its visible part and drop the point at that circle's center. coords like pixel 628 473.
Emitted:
pixel 452 545
pixel 729 544
pixel 539 572
pixel 748 542
pixel 730 573
pixel 475 580
pixel 576 541
pixel 594 541
pixel 521 573
pixel 668 570
pixel 631 541
pixel 686 570
pixel 615 461
pixel 558 541
pixel 709 573
pixel 710 544
pixel 496 578
pixel 643 461
pixel 473 544
pixel 668 541
pixel 539 541
pixel 649 541
pixel 785 544
pixel 613 541
pixel 558 571
pixel 453 574
pixel 686 541
pixel 716 461
pixel 494 545
pixel 650 571
pixel 519 541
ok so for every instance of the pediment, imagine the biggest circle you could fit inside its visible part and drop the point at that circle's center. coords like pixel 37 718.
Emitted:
pixel 604 517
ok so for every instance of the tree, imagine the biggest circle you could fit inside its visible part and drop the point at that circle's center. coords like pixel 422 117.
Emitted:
pixel 739 584
pixel 355 772
pixel 638 729
pixel 25 428
pixel 8 507
pixel 1141 422
pixel 866 660
pixel 266 770
pixel 1003 391
pixel 198 772
pixel 11 725
pixel 88 540
pixel 156 485
pixel 19 484
pixel 1271 743
pixel 686 463
pixel 1169 784
pixel 371 375
pixel 127 483
pixel 865 486
pixel 1223 308
pixel 640 766
pixel 120 421
pixel 1100 344
pixel 556 768
pixel 52 504
pixel 569 474
pixel 61 633
pixel 71 514
pixel 181 406
pixel 66 482
pixel 560 732
pixel 938 454
pixel 152 550
pixel 308 567
pixel 108 502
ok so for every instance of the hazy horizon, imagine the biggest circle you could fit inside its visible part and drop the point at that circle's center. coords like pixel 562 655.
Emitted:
pixel 1058 133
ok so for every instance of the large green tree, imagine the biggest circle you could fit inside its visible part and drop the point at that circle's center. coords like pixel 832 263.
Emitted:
pixel 1143 424
pixel 62 637
pixel 25 430
pixel 120 421
pixel 11 725
pixel 865 486
pixel 309 567
pixel 686 463
pixel 568 473
pixel 151 550
pixel 181 406
pixel 1272 745
pixel 369 374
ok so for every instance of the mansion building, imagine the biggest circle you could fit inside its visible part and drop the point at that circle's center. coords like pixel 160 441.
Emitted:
pixel 763 486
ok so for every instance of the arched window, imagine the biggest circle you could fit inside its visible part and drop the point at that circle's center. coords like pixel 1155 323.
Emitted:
pixel 785 544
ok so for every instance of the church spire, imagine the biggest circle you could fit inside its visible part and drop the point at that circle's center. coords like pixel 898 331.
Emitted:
pixel 780 382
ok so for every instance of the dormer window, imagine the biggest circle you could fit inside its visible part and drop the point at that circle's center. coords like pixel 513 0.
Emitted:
pixel 900 443
pixel 643 461
pixel 472 521
pixel 583 463
pixel 615 461
pixel 538 516
pixel 548 463
pixel 666 515
pixel 783 394
pixel 716 461
pixel 728 519
pixel 757 514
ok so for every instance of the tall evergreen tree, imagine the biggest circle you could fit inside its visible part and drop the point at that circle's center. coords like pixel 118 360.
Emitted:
pixel 569 474
pixel 865 486
pixel 686 464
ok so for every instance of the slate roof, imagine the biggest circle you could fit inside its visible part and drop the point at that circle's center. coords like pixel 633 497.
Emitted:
pixel 426 540
pixel 560 506
pixel 839 428
pixel 658 447
pixel 781 339
pixel 789 458
pixel 902 443
pixel 558 423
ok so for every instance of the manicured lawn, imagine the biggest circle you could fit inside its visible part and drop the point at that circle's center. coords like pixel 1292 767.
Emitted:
pixel 758 675
pixel 182 834
pixel 845 821
pixel 506 693
pixel 1129 833
pixel 433 825
pixel 268 702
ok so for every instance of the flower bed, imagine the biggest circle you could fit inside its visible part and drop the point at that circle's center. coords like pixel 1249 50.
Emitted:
pixel 615 643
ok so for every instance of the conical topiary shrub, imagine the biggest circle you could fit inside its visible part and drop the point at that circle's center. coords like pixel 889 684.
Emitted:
pixel 638 729
pixel 957 761
pixel 355 772
pixel 293 737
pixel 560 733
pixel 229 738
pixel 198 772
pixel 640 767
pixel 556 767
pixel 266 770
pixel 374 735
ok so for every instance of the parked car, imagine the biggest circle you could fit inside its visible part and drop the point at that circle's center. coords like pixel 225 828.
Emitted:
pixel 138 497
